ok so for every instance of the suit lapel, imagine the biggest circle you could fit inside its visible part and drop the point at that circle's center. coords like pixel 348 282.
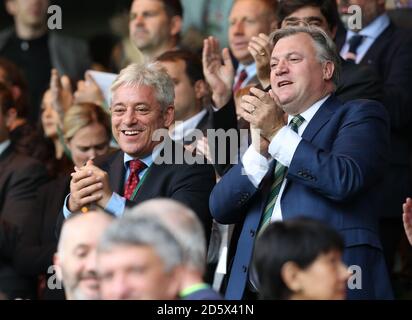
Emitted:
pixel 117 173
pixel 320 118
pixel 318 121
pixel 375 49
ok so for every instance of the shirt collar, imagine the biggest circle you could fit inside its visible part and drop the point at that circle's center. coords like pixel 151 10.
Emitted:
pixel 184 128
pixel 148 161
pixel 374 29
pixel 4 145
pixel 310 112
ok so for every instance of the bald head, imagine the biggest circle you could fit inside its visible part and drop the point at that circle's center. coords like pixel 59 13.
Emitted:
pixel 75 260
pixel 83 228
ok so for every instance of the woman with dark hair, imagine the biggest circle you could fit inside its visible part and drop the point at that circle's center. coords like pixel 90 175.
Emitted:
pixel 300 259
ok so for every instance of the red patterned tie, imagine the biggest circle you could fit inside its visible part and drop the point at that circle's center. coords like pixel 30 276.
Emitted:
pixel 135 167
pixel 238 84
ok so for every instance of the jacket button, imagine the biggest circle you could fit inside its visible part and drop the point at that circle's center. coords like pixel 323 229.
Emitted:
pixel 244 269
pixel 252 233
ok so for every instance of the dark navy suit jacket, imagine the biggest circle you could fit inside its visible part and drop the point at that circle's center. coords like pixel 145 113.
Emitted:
pixel 334 176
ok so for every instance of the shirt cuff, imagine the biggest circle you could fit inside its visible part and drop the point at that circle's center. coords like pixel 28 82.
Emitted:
pixel 283 145
pixel 256 166
pixel 66 212
pixel 116 205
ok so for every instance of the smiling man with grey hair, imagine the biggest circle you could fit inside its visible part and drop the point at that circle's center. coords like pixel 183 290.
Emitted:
pixel 139 259
pixel 141 106
pixel 183 223
pixel 311 155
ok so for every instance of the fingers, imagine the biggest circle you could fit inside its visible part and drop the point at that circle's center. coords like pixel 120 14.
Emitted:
pixel 227 60
pixel 54 79
pixel 84 178
pixel 91 190
pixel 407 207
pixel 66 83
pixel 274 97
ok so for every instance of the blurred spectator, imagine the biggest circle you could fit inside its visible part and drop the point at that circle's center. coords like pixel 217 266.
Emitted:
pixel 155 26
pixel 87 134
pixel 388 49
pixel 183 223
pixel 20 178
pixel 36 50
pixel 247 20
pixel 139 259
pixel 25 138
pixel 300 259
pixel 75 259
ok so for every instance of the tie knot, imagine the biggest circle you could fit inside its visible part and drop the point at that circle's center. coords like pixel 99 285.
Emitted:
pixel 136 165
pixel 242 75
pixel 354 43
pixel 296 122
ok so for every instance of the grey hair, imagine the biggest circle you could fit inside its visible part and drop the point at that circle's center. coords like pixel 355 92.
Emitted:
pixel 324 45
pixel 147 74
pixel 182 222
pixel 143 232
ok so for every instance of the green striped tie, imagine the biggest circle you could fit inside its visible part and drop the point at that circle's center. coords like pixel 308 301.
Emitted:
pixel 279 175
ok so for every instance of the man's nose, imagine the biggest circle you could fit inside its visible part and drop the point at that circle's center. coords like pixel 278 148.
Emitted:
pixel 281 68
pixel 129 117
pixel 238 27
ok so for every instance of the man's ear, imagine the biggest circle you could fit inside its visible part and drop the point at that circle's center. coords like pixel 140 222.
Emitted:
pixel 11 7
pixel 175 25
pixel 169 116
pixel 57 267
pixel 201 89
pixel 328 69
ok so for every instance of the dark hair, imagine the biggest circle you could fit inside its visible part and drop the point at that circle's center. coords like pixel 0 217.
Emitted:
pixel 193 64
pixel 173 7
pixel 6 98
pixel 328 8
pixel 300 241
pixel 14 77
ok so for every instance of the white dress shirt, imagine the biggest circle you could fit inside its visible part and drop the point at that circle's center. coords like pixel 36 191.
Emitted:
pixel 184 128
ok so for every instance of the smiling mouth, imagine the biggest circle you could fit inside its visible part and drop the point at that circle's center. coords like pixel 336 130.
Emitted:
pixel 284 83
pixel 130 133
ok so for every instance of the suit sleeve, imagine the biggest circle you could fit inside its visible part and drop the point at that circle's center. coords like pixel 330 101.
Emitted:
pixel 21 192
pixel 231 196
pixel 32 257
pixel 225 118
pixel 356 160
pixel 193 187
